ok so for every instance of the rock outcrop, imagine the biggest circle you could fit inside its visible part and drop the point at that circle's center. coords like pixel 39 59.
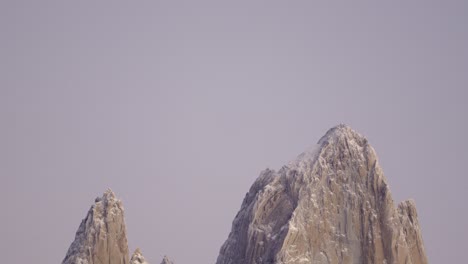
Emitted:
pixel 331 205
pixel 101 237
pixel 137 257
pixel 166 260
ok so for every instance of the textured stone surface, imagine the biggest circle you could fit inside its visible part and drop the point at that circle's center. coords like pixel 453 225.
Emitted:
pixel 137 258
pixel 331 205
pixel 101 237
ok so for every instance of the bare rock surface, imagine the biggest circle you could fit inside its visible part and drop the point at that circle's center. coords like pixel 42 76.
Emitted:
pixel 330 205
pixel 101 237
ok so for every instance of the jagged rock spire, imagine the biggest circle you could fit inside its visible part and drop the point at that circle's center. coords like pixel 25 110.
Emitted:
pixel 101 237
pixel 137 258
pixel 166 260
pixel 330 205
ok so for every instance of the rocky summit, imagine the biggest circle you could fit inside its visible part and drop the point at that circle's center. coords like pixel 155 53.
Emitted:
pixel 166 260
pixel 137 258
pixel 102 236
pixel 330 205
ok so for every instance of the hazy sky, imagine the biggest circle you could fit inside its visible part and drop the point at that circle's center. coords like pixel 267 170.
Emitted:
pixel 177 106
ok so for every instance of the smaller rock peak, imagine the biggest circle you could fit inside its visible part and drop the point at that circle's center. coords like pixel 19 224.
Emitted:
pixel 166 260
pixel 137 257
pixel 102 230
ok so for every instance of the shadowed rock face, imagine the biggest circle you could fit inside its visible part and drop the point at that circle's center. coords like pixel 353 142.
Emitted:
pixel 330 205
pixel 101 237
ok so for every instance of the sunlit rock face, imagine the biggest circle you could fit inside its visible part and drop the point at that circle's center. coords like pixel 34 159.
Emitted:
pixel 101 237
pixel 330 205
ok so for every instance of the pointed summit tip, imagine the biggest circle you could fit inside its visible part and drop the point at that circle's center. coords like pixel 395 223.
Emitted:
pixel 109 193
pixel 339 135
pixel 137 257
pixel 106 196
pixel 341 131
pixel 166 260
pixel 137 251
pixel 340 127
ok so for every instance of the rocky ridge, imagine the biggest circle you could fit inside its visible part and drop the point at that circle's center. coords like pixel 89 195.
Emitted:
pixel 330 205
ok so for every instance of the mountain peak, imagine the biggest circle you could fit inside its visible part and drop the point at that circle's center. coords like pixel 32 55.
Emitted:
pixel 339 143
pixel 166 260
pixel 137 257
pixel 330 205
pixel 341 131
pixel 102 230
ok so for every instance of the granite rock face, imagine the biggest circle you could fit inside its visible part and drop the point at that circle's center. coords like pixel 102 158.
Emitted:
pixel 101 237
pixel 330 205
pixel 137 258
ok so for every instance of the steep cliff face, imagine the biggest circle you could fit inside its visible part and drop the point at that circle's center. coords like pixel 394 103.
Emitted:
pixel 101 237
pixel 331 205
